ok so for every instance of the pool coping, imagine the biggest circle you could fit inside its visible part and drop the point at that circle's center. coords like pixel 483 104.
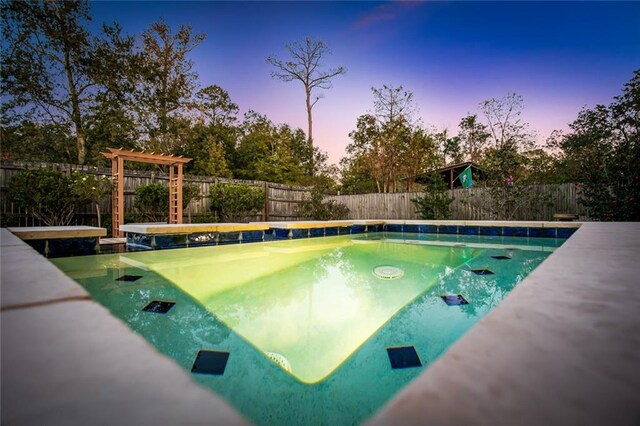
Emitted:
pixel 67 360
pixel 561 348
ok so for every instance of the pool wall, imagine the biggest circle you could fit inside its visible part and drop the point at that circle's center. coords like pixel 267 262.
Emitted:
pixel 158 237
pixel 562 348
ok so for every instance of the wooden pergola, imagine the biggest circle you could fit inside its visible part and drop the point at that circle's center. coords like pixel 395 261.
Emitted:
pixel 118 156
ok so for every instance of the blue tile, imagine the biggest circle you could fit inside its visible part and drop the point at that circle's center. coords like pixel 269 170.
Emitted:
pixel 428 229
pixel 37 245
pixel 129 278
pixel 281 234
pixel 316 232
pixel 358 229
pixel 411 228
pixel 228 238
pixel 252 236
pixel 509 231
pixel 159 307
pixel 170 241
pixel 329 232
pixel 375 228
pixel 210 362
pixel 344 230
pixel 269 235
pixel 139 239
pixel 468 230
pixel 392 227
pixel 448 229
pixel 403 357
pixel 491 230
pixel 454 299
pixel 482 271
pixel 565 232
pixel 202 239
pixel 542 232
pixel 300 233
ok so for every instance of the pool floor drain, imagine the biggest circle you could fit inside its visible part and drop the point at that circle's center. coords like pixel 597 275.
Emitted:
pixel 280 360
pixel 387 272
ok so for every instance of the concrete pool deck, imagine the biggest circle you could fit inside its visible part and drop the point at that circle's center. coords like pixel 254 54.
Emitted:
pixel 562 348
pixel 67 361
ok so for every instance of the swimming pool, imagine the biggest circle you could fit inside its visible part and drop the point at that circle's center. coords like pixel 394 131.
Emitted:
pixel 308 329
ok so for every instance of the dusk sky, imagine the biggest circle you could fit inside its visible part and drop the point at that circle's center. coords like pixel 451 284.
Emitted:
pixel 559 56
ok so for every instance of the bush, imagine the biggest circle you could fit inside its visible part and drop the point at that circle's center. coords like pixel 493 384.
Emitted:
pixel 436 202
pixel 92 188
pixel 316 208
pixel 236 202
pixel 47 194
pixel 152 202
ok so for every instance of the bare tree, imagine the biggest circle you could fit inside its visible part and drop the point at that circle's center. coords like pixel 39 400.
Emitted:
pixel 305 65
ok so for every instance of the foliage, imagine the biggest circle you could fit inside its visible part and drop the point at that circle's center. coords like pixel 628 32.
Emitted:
pixel 388 146
pixel 276 153
pixel 317 208
pixel 436 202
pixel 45 193
pixel 190 192
pixel 304 64
pixel 152 202
pixel 92 188
pixel 168 84
pixel 601 154
pixel 473 137
pixel 236 202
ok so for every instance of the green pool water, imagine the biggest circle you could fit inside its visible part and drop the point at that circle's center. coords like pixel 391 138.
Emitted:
pixel 316 303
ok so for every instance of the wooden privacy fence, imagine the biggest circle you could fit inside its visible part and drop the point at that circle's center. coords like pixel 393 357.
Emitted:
pixel 281 200
pixel 468 204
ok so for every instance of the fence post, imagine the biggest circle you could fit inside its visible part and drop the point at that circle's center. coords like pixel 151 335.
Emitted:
pixel 266 201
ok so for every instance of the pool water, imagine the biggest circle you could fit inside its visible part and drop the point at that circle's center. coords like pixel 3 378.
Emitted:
pixel 307 322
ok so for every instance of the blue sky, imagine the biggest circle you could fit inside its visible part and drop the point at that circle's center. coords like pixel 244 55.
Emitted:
pixel 560 56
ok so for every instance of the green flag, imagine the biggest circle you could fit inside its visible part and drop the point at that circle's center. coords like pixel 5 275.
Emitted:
pixel 465 178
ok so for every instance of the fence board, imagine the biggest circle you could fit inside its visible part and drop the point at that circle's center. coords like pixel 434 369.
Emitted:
pixel 468 204
pixel 282 200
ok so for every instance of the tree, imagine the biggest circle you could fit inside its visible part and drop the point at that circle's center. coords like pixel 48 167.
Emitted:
pixel 46 63
pixel 152 202
pixel 436 202
pixel 91 188
pixel 216 107
pixel 232 203
pixel 602 152
pixel 46 194
pixel 473 137
pixel 389 144
pixel 168 84
pixel 305 65
pixel 393 103
pixel 316 208
pixel 506 128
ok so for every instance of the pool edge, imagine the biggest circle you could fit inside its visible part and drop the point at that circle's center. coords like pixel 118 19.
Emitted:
pixel 562 348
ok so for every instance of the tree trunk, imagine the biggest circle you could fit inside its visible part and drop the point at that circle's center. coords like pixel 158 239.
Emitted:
pixel 98 213
pixel 310 130
pixel 76 116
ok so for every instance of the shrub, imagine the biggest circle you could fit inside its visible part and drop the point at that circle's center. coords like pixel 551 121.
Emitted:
pixel 316 208
pixel 92 188
pixel 46 194
pixel 152 202
pixel 236 202
pixel 435 203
